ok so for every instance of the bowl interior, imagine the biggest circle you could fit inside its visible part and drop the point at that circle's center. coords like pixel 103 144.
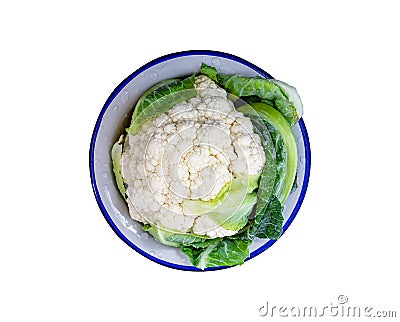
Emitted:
pixel 115 117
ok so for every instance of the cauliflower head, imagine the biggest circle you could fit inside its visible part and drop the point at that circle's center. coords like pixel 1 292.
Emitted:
pixel 193 168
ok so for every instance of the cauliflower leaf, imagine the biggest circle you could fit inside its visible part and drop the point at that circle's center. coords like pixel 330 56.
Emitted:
pixel 220 252
pixel 116 154
pixel 231 209
pixel 268 175
pixel 174 239
pixel 268 224
pixel 160 100
pixel 288 156
pixel 280 95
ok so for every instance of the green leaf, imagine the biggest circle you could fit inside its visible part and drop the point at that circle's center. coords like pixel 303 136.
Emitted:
pixel 280 95
pixel 209 71
pixel 279 125
pixel 148 97
pixel 268 224
pixel 225 252
pixel 202 251
pixel 263 88
pixel 295 184
pixel 116 154
pixel 160 100
pixel 268 175
pixel 171 238
pixel 234 216
pixel 291 93
pixel 231 209
pixel 280 162
pixel 194 254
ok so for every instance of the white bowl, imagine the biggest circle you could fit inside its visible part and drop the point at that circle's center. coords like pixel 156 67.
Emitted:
pixel 115 116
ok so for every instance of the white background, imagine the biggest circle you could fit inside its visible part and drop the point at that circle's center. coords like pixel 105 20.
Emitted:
pixel 60 261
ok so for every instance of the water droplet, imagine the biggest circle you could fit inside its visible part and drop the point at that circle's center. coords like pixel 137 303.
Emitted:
pixel 96 162
pixel 162 65
pixel 303 159
pixel 105 175
pixel 106 189
pixel 106 137
pixel 124 97
pixel 216 61
pixel 136 90
pixel 115 108
pixel 152 253
pixel 144 236
pixel 153 76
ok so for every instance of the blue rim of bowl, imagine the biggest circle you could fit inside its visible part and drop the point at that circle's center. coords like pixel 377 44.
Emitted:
pixel 117 90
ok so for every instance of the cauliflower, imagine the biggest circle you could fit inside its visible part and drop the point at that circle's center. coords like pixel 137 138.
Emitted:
pixel 180 165
pixel 204 175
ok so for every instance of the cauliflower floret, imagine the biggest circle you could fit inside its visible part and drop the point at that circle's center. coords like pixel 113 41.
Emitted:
pixel 207 88
pixel 189 153
pixel 204 225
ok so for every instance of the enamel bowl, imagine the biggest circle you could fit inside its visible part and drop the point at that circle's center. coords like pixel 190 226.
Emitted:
pixel 115 117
